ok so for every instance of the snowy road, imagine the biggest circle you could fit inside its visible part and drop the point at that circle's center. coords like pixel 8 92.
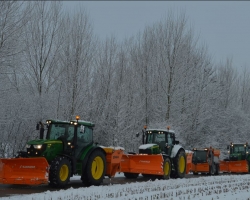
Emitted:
pixel 230 187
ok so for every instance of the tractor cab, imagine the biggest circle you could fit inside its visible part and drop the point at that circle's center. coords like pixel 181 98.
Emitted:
pixel 162 140
pixel 238 151
pixel 200 155
pixel 69 138
pixel 83 137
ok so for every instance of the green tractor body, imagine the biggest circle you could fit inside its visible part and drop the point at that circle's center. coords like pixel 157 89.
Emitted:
pixel 239 151
pixel 69 149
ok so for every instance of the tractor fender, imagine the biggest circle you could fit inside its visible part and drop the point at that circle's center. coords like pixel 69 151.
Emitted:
pixel 164 156
pixel 175 150
pixel 85 160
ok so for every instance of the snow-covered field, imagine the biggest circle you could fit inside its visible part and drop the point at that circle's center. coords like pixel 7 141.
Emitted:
pixel 230 187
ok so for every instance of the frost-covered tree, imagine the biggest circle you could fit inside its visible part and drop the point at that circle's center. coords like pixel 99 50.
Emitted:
pixel 75 92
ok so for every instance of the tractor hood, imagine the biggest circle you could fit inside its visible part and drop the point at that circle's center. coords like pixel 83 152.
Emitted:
pixel 148 146
pixel 149 149
pixel 36 142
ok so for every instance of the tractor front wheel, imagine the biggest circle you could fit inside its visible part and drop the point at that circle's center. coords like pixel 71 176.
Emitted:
pixel 59 172
pixel 166 168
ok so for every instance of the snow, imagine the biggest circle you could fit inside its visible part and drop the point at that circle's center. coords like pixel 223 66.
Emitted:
pixel 234 187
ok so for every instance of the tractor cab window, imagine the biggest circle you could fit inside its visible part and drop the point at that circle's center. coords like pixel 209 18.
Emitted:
pixel 238 149
pixel 149 137
pixel 84 134
pixel 170 139
pixel 57 131
pixel 84 138
pixel 159 138
pixel 200 156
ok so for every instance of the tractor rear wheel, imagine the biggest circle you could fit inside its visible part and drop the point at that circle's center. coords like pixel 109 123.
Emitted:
pixel 131 175
pixel 59 172
pixel 180 165
pixel 95 169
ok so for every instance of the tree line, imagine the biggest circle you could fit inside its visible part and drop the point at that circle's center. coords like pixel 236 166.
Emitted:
pixel 53 66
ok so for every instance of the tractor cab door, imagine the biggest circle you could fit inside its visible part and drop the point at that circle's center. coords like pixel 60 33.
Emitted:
pixel 170 143
pixel 84 139
pixel 165 141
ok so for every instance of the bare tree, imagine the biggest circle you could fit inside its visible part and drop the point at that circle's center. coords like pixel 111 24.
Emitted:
pixel 42 45
pixel 76 59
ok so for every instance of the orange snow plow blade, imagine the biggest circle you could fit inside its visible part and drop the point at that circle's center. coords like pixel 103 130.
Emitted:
pixel 27 171
pixel 224 166
pixel 139 163
pixel 113 159
pixel 240 166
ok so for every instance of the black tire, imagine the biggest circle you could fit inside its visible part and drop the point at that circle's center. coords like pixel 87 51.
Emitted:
pixel 95 169
pixel 147 175
pixel 195 173
pixel 59 172
pixel 166 168
pixel 131 175
pixel 179 165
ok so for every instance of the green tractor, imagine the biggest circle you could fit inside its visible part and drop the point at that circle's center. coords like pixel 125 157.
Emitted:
pixel 163 141
pixel 69 149
pixel 238 151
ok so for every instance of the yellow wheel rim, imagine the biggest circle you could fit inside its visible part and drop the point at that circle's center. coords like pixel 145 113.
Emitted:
pixel 64 172
pixel 97 167
pixel 182 164
pixel 166 168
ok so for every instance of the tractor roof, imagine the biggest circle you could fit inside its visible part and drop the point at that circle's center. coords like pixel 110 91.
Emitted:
pixel 239 143
pixel 160 130
pixel 85 123
pixel 81 122
pixel 55 121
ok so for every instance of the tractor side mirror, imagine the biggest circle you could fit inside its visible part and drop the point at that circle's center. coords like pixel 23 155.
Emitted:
pixel 177 142
pixel 37 126
pixel 227 147
pixel 137 134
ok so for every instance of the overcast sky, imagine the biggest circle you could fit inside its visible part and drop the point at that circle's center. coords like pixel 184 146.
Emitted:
pixel 223 25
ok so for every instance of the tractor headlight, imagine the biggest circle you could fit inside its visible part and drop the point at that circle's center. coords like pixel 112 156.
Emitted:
pixel 38 146
pixel 28 146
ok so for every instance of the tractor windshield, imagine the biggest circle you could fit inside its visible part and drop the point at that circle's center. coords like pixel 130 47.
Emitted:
pixel 237 149
pixel 56 131
pixel 155 137
pixel 200 156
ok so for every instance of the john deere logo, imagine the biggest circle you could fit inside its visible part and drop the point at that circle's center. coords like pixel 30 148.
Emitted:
pixel 27 167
